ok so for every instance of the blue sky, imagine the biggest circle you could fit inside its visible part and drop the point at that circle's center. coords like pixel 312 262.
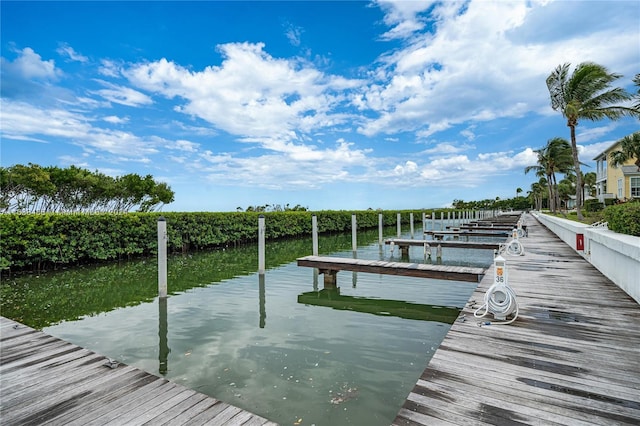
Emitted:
pixel 330 105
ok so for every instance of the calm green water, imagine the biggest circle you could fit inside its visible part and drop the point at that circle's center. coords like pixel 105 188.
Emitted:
pixel 275 344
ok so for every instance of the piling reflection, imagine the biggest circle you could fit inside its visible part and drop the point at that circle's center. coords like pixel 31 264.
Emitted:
pixel 333 299
pixel 262 301
pixel 163 330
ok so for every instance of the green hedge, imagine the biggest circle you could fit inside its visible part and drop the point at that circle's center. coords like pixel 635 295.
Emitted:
pixel 593 205
pixel 624 218
pixel 38 241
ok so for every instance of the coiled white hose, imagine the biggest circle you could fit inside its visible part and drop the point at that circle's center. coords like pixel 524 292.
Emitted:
pixel 515 248
pixel 499 300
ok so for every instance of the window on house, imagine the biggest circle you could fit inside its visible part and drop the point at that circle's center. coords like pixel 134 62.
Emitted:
pixel 634 185
pixel 619 188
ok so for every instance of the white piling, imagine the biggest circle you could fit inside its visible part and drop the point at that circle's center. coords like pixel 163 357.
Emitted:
pixel 442 221
pixel 261 237
pixel 399 225
pixel 354 233
pixel 162 257
pixel 314 234
pixel 424 223
pixel 380 229
pixel 411 223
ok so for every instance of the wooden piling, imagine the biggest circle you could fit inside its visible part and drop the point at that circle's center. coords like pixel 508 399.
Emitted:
pixel 162 257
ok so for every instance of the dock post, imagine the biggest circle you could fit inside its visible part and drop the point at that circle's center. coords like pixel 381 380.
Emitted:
pixel 411 223
pixel 261 236
pixel 262 302
pixel 399 226
pixel 442 221
pixel 380 229
pixel 433 220
pixel 424 224
pixel 354 233
pixel 449 218
pixel 163 329
pixel 162 257
pixel 314 234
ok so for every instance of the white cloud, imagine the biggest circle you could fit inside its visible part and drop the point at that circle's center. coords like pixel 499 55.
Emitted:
pixel 21 120
pixel 122 95
pixel 109 68
pixel 116 120
pixel 403 17
pixel 293 33
pixel 448 148
pixel 251 93
pixel 472 64
pixel 186 146
pixel 29 65
pixel 410 167
pixel 288 166
pixel 68 51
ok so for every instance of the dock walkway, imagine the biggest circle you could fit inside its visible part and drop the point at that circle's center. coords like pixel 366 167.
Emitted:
pixel 47 381
pixel 572 357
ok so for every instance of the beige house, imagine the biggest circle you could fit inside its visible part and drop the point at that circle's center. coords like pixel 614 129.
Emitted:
pixel 622 182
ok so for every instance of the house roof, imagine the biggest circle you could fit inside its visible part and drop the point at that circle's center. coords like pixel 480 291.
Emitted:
pixel 630 170
pixel 606 151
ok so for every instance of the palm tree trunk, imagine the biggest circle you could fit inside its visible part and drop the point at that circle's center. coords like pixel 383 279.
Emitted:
pixel 552 197
pixel 576 165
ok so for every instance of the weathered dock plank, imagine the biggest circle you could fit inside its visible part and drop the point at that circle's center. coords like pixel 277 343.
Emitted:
pixel 44 380
pixel 571 357
pixel 484 228
pixel 328 264
pixel 481 245
pixel 470 233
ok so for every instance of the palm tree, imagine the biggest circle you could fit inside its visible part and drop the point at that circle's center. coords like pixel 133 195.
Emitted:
pixel 589 182
pixel 554 157
pixel 636 81
pixel 537 193
pixel 518 191
pixel 630 148
pixel 586 94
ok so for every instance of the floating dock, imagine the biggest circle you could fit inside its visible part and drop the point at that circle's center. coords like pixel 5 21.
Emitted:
pixel 45 380
pixel 572 357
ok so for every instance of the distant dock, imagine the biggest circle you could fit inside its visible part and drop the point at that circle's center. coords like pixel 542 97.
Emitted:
pixel 404 244
pixel 330 266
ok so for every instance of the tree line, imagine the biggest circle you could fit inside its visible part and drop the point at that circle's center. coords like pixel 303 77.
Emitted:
pixel 36 189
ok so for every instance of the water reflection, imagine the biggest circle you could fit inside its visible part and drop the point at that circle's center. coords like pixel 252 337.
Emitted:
pixel 353 363
pixel 44 299
pixel 385 307
pixel 163 331
pixel 262 301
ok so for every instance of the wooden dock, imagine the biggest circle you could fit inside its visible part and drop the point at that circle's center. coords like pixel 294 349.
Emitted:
pixel 572 357
pixel 44 380
pixel 467 233
pixel 484 228
pixel 329 266
pixel 404 244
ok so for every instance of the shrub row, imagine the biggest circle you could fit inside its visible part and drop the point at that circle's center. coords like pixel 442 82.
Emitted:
pixel 624 218
pixel 38 241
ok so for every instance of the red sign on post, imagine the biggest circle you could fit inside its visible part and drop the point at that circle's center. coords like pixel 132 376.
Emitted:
pixel 580 242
